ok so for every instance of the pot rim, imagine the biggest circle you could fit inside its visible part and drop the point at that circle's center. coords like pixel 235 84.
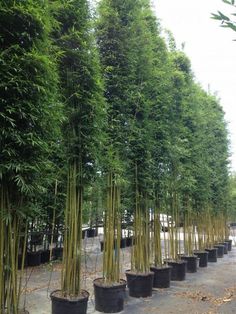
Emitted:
pixel 110 286
pixel 140 274
pixel 65 300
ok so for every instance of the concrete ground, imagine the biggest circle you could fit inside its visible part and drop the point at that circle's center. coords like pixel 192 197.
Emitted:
pixel 211 290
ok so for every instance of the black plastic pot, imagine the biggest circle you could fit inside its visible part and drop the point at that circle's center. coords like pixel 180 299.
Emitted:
pixel 191 263
pixel 203 258
pixel 212 256
pixel 229 244
pixel 140 284
pixel 220 251
pixel 34 258
pixel 225 247
pixel 45 256
pixel 178 271
pixel 109 299
pixel 83 234
pixel 57 253
pixel 91 233
pixel 66 306
pixel 162 276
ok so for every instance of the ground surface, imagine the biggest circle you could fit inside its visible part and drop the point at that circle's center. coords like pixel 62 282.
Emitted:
pixel 211 290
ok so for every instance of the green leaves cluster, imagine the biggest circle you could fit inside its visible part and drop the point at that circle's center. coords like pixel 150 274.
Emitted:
pixel 226 21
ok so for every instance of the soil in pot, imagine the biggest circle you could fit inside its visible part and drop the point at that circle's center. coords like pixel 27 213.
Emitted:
pixel 34 258
pixel 191 263
pixel 220 251
pixel 203 258
pixel 212 256
pixel 62 305
pixel 225 247
pixel 229 244
pixel 178 271
pixel 45 256
pixel 109 298
pixel 139 284
pixel 162 276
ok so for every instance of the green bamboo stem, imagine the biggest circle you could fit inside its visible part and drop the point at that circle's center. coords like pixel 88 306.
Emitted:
pixel 71 264
pixel 112 232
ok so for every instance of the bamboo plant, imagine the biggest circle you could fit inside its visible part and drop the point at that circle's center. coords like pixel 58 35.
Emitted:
pixel 140 257
pixel 82 95
pixel 112 232
pixel 73 233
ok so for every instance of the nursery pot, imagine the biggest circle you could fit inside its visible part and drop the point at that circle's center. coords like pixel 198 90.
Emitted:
pixel 109 298
pixel 162 276
pixel 34 258
pixel 62 305
pixel 225 247
pixel 212 256
pixel 45 256
pixel 229 244
pixel 191 263
pixel 220 251
pixel 139 284
pixel 57 252
pixel 203 258
pixel 178 271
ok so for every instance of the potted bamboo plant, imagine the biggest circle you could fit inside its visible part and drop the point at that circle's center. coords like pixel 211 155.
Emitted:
pixel 178 271
pixel 110 289
pixel 199 250
pixel 189 238
pixel 161 270
pixel 140 278
pixel 82 96
pixel 209 235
